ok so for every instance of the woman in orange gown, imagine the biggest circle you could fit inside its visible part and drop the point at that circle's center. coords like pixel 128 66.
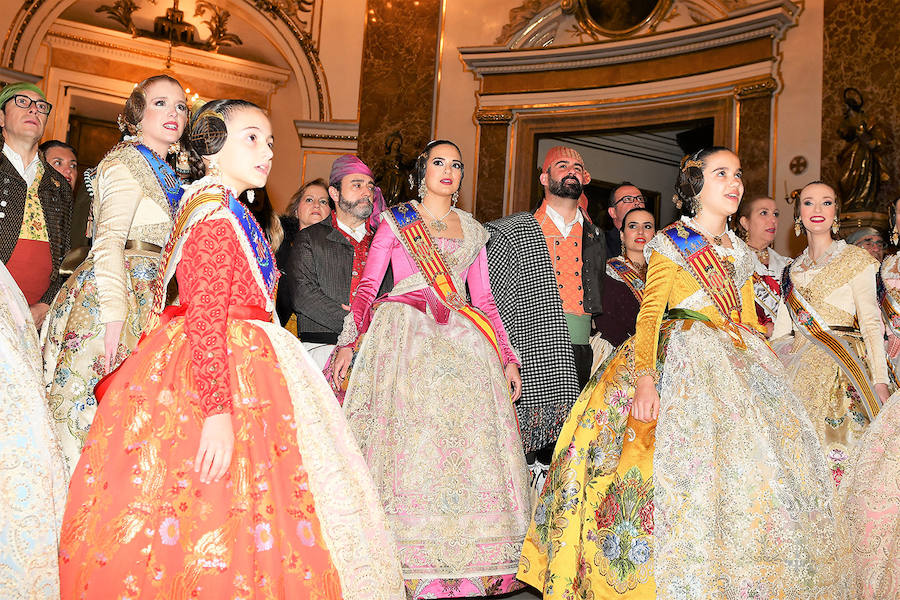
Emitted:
pixel 219 464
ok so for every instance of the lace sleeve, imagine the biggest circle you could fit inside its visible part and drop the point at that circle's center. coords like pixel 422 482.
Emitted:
pixel 349 333
pixel 207 271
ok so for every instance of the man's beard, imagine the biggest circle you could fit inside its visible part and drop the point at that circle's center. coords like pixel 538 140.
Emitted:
pixel 567 187
pixel 361 209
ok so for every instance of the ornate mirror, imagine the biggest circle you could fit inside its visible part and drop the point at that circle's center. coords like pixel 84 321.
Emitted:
pixel 619 18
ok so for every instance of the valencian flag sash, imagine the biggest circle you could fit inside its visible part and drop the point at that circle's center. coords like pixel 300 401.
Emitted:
pixel 165 175
pixel 819 333
pixel 713 277
pixel 629 275
pixel 421 247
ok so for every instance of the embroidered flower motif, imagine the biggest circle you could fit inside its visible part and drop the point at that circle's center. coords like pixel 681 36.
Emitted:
pixel 639 553
pixel 169 531
pixel 805 318
pixel 646 517
pixel 611 549
pixel 606 514
pixel 305 533
pixel 837 455
pixel 263 537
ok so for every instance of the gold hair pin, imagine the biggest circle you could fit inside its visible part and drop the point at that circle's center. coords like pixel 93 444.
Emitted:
pixel 692 163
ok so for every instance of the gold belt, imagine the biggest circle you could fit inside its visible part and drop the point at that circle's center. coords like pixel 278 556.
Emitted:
pixel 142 246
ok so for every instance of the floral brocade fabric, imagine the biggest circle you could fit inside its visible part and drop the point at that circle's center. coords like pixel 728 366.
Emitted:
pixel 726 496
pixel 294 517
pixel 430 408
pixel 32 471
pixel 871 494
pixel 74 351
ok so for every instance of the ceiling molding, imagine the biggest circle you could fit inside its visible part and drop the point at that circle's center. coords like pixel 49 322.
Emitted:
pixel 99 41
pixel 766 20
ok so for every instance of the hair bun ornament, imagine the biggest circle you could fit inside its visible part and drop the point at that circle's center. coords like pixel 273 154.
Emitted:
pixel 794 196
pixel 208 132
pixel 676 200
pixel 691 162
pixel 124 126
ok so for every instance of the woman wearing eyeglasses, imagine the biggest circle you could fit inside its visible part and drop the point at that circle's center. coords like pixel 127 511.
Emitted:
pixel 99 314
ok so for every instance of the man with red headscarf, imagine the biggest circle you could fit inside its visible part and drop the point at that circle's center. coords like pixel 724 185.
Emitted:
pixel 546 271
pixel 328 258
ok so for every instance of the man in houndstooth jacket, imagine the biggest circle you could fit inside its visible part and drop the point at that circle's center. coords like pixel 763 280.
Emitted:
pixel 546 270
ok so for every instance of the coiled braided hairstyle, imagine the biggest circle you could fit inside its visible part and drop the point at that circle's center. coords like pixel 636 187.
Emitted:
pixel 208 131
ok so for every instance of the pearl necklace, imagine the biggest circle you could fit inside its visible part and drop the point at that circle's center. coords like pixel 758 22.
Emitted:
pixel 437 224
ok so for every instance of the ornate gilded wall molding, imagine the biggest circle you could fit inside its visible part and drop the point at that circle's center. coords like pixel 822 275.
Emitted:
pixel 766 87
pixel 520 17
pixel 493 116
pixel 97 41
pixel 276 12
pixel 630 18
pixel 770 21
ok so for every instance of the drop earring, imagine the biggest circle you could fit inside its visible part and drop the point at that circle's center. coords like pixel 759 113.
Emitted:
pixel 251 196
pixel 836 225
pixel 423 190
pixel 454 198
pixel 797 227
pixel 213 169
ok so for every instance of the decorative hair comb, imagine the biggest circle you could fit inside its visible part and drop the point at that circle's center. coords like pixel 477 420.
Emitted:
pixel 693 162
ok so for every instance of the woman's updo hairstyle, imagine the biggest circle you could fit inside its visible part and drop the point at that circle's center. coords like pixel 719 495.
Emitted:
pixel 690 180
pixel 207 131
pixel 422 160
pixel 136 103
pixel 797 194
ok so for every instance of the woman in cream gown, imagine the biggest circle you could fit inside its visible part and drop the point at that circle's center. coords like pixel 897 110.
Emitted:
pixel 99 313
pixel 832 287
pixel 32 471
pixel 687 469
pixel 872 484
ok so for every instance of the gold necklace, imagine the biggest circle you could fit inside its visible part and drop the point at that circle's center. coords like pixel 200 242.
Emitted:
pixel 762 255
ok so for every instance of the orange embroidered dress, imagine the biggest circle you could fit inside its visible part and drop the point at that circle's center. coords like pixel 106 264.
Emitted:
pixel 297 514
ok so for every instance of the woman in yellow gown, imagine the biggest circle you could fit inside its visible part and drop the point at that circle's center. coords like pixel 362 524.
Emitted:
pixel 727 494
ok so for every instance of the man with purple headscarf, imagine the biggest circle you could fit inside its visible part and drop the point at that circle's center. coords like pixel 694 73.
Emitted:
pixel 328 258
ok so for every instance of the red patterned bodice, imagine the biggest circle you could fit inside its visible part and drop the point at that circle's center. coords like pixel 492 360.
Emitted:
pixel 213 275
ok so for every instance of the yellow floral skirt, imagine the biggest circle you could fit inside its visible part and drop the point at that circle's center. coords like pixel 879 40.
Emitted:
pixel 727 495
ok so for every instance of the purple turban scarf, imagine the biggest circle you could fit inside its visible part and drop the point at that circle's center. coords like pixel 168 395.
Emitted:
pixel 349 164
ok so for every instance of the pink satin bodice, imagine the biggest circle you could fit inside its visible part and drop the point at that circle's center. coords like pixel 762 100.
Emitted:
pixel 387 250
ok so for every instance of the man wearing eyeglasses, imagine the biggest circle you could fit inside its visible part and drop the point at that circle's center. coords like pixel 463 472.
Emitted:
pixel 35 200
pixel 622 199
pixel 870 240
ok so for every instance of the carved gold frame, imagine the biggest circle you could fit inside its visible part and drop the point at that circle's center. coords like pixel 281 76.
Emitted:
pixel 583 16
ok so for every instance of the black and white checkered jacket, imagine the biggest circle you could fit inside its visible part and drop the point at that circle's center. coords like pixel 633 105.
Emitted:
pixel 525 289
